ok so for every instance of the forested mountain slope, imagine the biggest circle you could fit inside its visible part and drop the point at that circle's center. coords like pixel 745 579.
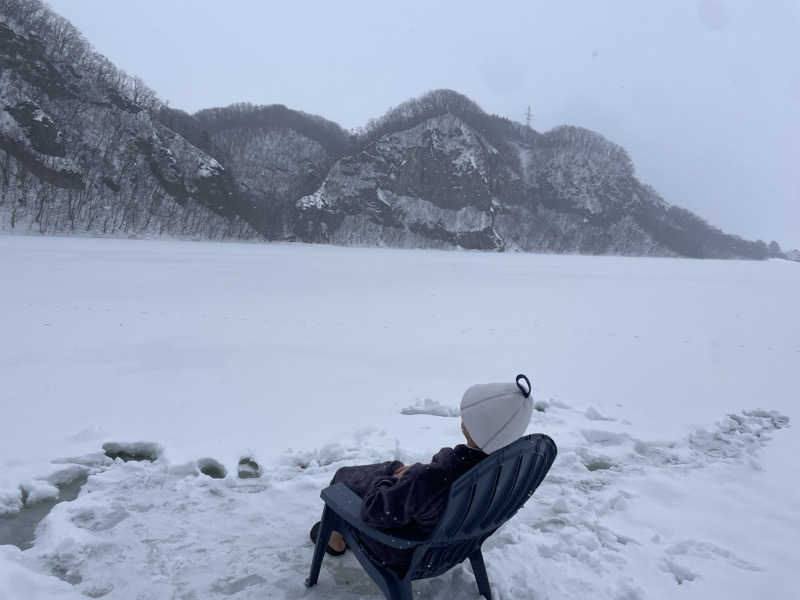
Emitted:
pixel 80 149
pixel 276 155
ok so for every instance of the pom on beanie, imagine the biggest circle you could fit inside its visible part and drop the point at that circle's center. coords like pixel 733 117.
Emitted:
pixel 496 414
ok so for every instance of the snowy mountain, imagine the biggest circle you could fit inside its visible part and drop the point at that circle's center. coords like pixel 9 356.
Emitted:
pixel 438 171
pixel 87 148
pixel 275 155
pixel 80 149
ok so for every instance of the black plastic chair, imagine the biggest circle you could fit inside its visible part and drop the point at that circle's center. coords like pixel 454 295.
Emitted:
pixel 480 501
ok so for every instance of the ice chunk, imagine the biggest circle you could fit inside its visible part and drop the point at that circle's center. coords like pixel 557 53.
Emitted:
pixel 36 491
pixel 10 500
pixel 541 405
pixel 594 415
pixel 428 406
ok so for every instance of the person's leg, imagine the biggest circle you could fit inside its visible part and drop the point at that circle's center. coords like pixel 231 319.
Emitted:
pixel 358 479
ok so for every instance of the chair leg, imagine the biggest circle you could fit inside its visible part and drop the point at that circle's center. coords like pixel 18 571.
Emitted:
pixel 324 534
pixel 392 586
pixel 400 590
pixel 479 569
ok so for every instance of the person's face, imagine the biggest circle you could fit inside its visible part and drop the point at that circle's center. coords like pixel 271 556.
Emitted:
pixel 466 434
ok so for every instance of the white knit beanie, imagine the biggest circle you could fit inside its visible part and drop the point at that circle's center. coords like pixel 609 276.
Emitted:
pixel 496 414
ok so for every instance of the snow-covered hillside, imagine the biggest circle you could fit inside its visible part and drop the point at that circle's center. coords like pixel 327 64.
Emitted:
pixel 80 149
pixel 669 386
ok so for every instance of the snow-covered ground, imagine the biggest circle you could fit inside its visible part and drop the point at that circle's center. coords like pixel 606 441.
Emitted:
pixel 667 385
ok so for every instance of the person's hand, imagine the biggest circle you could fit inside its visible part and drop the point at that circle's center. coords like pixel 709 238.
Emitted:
pixel 399 472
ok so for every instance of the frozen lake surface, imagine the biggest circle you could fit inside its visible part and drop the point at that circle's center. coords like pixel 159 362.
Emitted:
pixel 668 385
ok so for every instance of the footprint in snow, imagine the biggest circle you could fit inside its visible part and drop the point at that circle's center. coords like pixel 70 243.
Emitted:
pixel 681 573
pixel 734 437
pixel 231 586
pixel 572 516
pixel 696 549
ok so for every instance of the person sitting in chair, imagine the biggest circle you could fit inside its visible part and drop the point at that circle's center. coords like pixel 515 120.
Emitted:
pixel 408 500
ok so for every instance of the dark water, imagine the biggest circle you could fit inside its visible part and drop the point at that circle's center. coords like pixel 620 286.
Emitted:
pixel 19 529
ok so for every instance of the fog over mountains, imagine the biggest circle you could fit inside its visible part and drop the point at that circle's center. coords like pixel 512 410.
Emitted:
pixel 86 148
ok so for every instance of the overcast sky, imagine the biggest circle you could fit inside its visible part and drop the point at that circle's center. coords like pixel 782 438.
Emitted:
pixel 704 94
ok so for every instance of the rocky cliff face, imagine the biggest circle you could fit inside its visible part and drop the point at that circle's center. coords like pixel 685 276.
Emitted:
pixel 450 176
pixel 436 184
pixel 86 148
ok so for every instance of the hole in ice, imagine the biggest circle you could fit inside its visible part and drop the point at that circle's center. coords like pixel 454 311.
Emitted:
pixel 248 468
pixel 213 468
pixel 19 528
pixel 137 451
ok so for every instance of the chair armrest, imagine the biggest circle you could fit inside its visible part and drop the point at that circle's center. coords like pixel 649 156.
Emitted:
pixel 347 504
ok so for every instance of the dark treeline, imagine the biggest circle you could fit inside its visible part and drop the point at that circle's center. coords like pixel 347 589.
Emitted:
pixel 690 235
pixel 201 127
pixel 61 42
pixel 79 150
pixel 327 133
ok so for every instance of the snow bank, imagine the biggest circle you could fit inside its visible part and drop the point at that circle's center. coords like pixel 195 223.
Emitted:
pixel 145 529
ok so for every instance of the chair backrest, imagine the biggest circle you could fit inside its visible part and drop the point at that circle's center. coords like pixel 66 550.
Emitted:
pixel 484 498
